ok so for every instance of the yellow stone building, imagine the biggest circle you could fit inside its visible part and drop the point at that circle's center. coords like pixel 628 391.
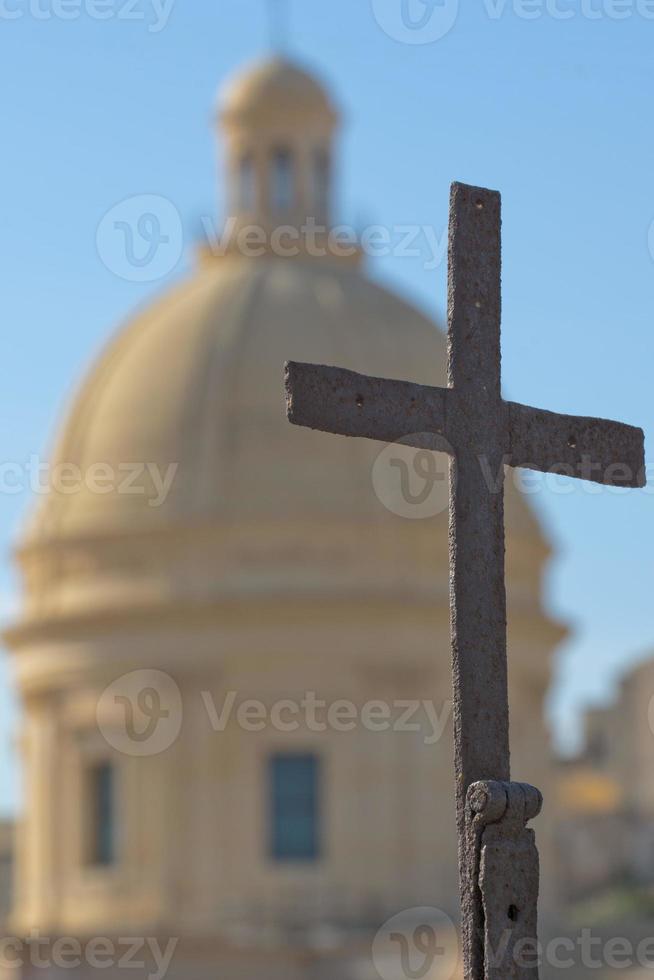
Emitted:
pixel 606 796
pixel 280 567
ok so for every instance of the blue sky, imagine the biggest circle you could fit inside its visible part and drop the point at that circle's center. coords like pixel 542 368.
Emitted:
pixel 549 102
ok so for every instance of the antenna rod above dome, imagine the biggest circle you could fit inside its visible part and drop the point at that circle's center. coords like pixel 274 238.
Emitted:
pixel 278 24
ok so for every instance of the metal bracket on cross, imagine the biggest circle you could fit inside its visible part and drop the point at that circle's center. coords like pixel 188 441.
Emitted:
pixel 501 854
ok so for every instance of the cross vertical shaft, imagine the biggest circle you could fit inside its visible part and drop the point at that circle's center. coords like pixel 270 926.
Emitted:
pixel 476 430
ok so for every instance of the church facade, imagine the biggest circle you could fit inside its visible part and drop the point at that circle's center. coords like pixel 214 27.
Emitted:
pixel 236 693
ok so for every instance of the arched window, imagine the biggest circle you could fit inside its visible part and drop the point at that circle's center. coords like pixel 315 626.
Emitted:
pixel 282 189
pixel 246 184
pixel 321 179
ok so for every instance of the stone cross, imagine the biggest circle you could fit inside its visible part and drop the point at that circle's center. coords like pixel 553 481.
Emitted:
pixel 482 433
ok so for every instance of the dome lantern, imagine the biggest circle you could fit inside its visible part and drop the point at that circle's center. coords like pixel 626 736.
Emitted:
pixel 279 125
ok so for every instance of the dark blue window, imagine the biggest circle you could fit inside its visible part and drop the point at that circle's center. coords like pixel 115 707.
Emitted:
pixel 102 798
pixel 294 804
pixel 282 180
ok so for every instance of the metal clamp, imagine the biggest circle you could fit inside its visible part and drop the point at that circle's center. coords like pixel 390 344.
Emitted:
pixel 502 859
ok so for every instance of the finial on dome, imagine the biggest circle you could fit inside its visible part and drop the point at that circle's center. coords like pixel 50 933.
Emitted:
pixel 278 24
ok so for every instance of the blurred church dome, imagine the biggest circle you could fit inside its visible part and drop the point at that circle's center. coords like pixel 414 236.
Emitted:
pixel 197 381
pixel 275 87
pixel 192 391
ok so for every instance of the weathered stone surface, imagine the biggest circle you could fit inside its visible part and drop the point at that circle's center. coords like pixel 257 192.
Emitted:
pixel 589 449
pixel 503 853
pixel 351 404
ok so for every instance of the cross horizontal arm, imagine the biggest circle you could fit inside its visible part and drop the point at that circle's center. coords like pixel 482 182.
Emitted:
pixel 345 403
pixel 604 452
